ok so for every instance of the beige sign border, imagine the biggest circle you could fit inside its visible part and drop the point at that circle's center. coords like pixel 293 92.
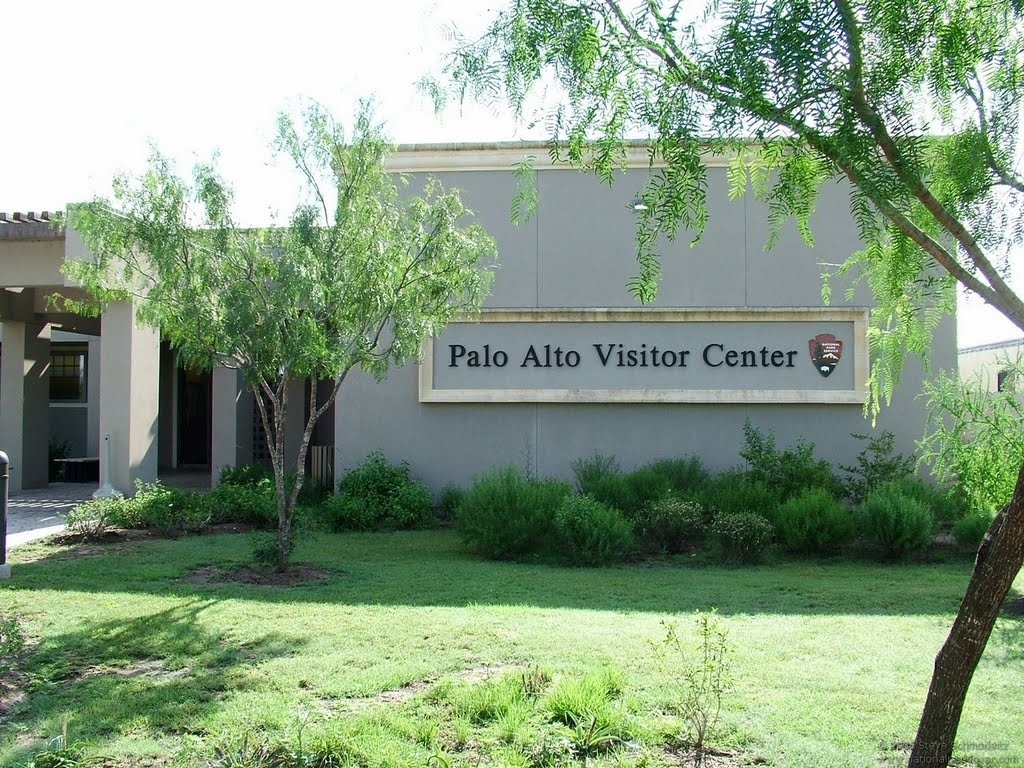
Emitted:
pixel 858 315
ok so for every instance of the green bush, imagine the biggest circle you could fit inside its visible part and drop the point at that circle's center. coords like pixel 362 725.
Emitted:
pixel 594 470
pixel 628 492
pixel 975 437
pixel 814 522
pixel 671 525
pixel 12 638
pixel 378 495
pixel 877 463
pixel 155 507
pixel 740 537
pixel 940 503
pixel 684 476
pixel 897 523
pixel 786 472
pixel 167 511
pixel 248 475
pixel 451 497
pixel 969 531
pixel 735 491
pixel 92 518
pixel 250 504
pixel 592 533
pixel 507 516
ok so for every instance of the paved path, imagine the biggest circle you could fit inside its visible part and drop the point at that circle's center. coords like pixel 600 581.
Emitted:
pixel 40 512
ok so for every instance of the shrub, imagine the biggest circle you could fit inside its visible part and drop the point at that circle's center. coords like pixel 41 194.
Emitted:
pixel 740 537
pixel 594 470
pixel 167 510
pixel 814 522
pixel 975 438
pixel 92 518
pixel 734 492
pixel 672 525
pixel 940 503
pixel 899 524
pixel 628 492
pixel 877 463
pixel 312 494
pixel 699 675
pixel 263 548
pixel 378 495
pixel 154 507
pixel 969 531
pixel 684 475
pixel 789 471
pixel 451 497
pixel 248 475
pixel 250 504
pixel 12 638
pixel 507 516
pixel 592 533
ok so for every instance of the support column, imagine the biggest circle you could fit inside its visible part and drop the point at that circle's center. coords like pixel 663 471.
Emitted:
pixel 25 402
pixel 224 421
pixel 129 396
pixel 92 388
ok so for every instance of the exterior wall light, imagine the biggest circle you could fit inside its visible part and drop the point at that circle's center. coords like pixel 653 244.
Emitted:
pixel 636 204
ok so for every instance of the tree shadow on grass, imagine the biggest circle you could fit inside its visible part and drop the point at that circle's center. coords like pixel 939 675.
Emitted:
pixel 1009 631
pixel 431 569
pixel 161 674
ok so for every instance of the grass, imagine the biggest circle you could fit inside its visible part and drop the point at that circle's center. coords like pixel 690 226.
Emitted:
pixel 413 648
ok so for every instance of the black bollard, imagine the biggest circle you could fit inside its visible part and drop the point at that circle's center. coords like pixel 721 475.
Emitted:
pixel 5 466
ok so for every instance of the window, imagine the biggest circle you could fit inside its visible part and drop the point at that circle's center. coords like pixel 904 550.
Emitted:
pixel 68 373
pixel 1004 381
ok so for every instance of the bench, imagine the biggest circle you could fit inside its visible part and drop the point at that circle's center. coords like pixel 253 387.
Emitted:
pixel 82 470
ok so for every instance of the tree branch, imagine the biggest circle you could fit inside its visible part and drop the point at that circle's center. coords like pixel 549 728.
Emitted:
pixel 1008 300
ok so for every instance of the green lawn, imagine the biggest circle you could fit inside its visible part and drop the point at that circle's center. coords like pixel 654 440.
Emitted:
pixel 831 659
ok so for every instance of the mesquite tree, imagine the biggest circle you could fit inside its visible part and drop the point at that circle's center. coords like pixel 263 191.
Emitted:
pixel 915 102
pixel 356 279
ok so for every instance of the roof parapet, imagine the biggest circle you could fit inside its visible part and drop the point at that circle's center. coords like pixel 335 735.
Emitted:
pixel 29 226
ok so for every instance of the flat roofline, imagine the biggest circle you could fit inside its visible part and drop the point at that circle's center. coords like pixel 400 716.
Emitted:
pixel 503 155
pixel 992 345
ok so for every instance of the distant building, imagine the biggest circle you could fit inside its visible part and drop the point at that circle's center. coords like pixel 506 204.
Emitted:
pixel 993 363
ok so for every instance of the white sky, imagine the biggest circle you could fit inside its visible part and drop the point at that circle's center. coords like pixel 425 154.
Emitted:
pixel 88 85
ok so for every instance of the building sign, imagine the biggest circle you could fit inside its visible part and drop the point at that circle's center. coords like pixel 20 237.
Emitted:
pixel 815 355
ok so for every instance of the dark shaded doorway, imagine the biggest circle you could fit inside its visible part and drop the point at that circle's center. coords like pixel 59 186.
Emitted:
pixel 195 391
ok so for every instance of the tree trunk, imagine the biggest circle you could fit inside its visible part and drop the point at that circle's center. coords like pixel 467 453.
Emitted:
pixel 999 560
pixel 284 534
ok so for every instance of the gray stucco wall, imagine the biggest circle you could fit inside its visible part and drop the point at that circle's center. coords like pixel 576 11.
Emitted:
pixel 577 252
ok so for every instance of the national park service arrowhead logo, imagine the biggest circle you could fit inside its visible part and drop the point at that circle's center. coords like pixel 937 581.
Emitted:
pixel 826 350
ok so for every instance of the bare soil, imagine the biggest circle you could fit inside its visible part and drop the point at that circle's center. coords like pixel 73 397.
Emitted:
pixel 709 758
pixel 301 573
pixel 12 692
pixel 154 669
pixel 476 674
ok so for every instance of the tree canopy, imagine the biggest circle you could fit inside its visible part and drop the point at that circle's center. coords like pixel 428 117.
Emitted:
pixel 357 278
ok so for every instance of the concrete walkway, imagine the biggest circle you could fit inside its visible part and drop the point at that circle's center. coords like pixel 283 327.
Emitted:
pixel 40 512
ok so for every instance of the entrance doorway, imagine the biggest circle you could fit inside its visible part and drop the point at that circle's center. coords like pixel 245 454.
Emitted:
pixel 195 392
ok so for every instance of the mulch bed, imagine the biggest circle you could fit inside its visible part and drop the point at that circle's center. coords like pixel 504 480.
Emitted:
pixel 299 574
